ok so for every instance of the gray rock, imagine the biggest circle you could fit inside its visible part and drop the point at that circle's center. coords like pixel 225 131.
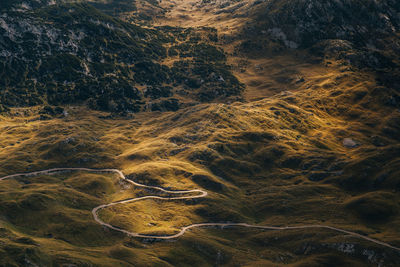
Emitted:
pixel 349 143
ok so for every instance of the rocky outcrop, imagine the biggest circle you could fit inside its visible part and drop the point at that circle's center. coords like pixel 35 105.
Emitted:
pixel 306 22
pixel 75 53
pixel 364 33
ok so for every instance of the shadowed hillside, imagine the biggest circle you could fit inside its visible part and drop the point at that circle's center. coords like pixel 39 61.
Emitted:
pixel 74 54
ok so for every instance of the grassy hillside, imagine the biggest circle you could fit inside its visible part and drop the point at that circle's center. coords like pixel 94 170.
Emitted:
pixel 277 134
pixel 278 161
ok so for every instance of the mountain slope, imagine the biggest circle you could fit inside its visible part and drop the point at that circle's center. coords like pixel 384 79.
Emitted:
pixel 74 53
pixel 285 112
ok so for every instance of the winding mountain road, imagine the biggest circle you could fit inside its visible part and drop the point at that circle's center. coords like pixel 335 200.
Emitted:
pixel 199 194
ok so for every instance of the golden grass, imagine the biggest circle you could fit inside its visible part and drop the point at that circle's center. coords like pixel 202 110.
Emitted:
pixel 275 159
pixel 247 154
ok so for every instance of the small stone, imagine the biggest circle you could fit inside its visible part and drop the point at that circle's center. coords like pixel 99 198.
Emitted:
pixel 350 143
pixel 258 67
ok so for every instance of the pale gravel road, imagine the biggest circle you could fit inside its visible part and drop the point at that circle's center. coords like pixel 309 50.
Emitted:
pixel 199 194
